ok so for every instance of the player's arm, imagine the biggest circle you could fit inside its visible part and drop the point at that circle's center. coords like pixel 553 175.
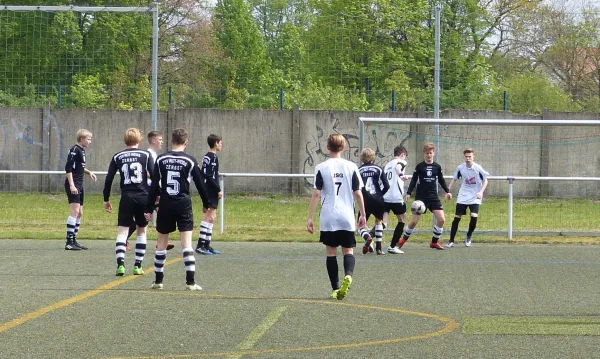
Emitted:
pixel 316 195
pixel 442 183
pixel 91 174
pixel 356 187
pixel 153 192
pixel 484 176
pixel 210 174
pixel 112 170
pixel 69 171
pixel 384 182
pixel 200 186
pixel 412 184
pixel 150 165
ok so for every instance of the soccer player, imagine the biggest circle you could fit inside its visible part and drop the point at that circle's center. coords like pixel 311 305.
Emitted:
pixel 75 169
pixel 133 166
pixel 375 186
pixel 337 183
pixel 210 170
pixel 394 197
pixel 425 178
pixel 173 172
pixel 470 194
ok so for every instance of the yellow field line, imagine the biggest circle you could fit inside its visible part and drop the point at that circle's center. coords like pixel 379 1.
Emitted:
pixel 250 341
pixel 63 303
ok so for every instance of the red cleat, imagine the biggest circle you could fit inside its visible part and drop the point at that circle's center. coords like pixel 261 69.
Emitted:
pixel 436 245
pixel 401 243
pixel 169 246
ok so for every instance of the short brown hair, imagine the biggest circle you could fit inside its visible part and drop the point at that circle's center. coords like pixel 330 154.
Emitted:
pixel 428 147
pixel 468 150
pixel 83 133
pixel 132 136
pixel 153 134
pixel 367 155
pixel 336 142
pixel 179 136
pixel 212 140
pixel 398 150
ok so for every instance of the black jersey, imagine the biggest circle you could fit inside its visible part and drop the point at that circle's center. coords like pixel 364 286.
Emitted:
pixel 375 180
pixel 174 171
pixel 210 170
pixel 133 165
pixel 76 165
pixel 424 178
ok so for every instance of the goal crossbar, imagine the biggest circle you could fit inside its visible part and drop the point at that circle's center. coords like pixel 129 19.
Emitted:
pixel 77 8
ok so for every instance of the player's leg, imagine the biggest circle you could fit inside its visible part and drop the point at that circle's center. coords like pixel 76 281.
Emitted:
pixel 460 211
pixel 331 263
pixel 347 242
pixel 71 222
pixel 438 228
pixel 77 224
pixel 141 240
pixel 120 247
pixel 410 227
pixel 165 224
pixel 205 236
pixel 185 225
pixel 399 209
pixel 364 231
pixel 132 229
pixel 474 210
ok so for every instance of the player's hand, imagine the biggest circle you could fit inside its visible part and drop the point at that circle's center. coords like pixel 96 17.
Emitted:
pixel 108 206
pixel 157 200
pixel 407 198
pixel 93 176
pixel 448 196
pixel 73 190
pixel 404 178
pixel 148 216
pixel 479 195
pixel 204 209
pixel 362 221
pixel 310 226
pixel 220 195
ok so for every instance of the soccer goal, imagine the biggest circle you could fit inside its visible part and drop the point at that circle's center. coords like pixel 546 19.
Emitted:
pixel 545 173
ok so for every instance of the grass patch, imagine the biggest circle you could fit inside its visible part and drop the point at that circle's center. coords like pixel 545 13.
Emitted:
pixel 250 217
pixel 532 325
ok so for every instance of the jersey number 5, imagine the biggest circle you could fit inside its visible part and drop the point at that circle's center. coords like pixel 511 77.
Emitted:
pixel 173 183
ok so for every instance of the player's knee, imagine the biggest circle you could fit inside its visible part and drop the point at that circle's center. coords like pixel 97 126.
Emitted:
pixel 474 215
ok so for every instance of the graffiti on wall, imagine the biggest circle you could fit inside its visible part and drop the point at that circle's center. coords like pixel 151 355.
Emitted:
pixel 382 140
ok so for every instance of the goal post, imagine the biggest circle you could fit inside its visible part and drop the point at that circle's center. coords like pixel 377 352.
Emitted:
pixel 545 170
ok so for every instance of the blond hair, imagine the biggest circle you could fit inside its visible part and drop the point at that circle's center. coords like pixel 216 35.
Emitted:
pixel 367 155
pixel 132 136
pixel 428 147
pixel 336 142
pixel 82 134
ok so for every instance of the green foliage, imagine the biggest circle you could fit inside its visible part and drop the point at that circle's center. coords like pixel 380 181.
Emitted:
pixel 87 92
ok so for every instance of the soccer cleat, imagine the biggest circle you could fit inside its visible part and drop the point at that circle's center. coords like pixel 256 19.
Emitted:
pixel 371 249
pixel 193 287
pixel 79 245
pixel 395 250
pixel 380 252
pixel 468 242
pixel 120 270
pixel 449 244
pixel 137 270
pixel 71 247
pixel 343 291
pixel 170 246
pixel 155 285
pixel 334 294
pixel 203 251
pixel 367 247
pixel 401 243
pixel 436 245
pixel 212 250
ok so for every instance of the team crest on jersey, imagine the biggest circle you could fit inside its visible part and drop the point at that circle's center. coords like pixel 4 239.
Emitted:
pixel 429 173
pixel 472 180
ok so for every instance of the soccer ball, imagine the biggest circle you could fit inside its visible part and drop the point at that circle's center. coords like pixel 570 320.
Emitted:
pixel 418 207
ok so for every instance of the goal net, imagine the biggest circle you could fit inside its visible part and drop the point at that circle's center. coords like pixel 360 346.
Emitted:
pixel 545 174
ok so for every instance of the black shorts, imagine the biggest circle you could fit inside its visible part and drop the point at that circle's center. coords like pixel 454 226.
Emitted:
pixel 431 204
pixel 74 198
pixel 345 239
pixel 213 200
pixel 175 215
pixel 131 210
pixel 396 208
pixel 375 207
pixel 461 209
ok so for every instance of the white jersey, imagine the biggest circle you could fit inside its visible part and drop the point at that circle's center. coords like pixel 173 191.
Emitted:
pixel 472 181
pixel 153 156
pixel 337 179
pixel 393 171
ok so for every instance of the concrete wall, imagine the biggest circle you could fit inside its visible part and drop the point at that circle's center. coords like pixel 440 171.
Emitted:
pixel 263 141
